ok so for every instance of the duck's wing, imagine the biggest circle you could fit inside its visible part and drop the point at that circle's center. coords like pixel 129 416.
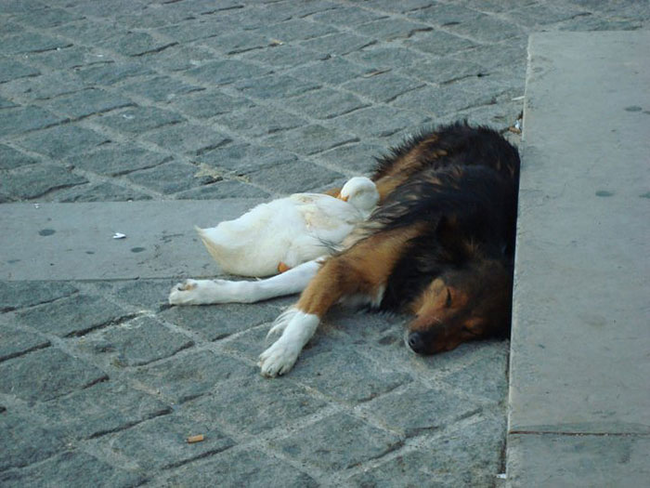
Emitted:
pixel 326 218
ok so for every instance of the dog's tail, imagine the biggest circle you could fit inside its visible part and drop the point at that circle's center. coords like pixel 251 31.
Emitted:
pixel 215 250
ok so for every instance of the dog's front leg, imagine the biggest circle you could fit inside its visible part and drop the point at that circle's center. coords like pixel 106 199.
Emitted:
pixel 206 292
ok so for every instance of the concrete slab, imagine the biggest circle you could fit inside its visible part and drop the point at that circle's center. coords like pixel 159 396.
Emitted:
pixel 580 342
pixel 61 241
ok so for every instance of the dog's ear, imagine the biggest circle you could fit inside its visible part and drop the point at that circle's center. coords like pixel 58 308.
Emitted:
pixel 450 238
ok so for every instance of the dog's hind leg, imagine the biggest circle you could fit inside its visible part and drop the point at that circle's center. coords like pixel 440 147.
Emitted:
pixel 206 292
pixel 361 271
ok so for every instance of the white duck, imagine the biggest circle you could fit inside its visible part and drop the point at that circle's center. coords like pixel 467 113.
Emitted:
pixel 281 234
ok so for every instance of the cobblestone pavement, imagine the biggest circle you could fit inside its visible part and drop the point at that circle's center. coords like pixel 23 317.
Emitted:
pixel 100 381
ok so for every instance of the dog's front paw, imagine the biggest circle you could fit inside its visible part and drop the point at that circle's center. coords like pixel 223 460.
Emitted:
pixel 278 359
pixel 185 293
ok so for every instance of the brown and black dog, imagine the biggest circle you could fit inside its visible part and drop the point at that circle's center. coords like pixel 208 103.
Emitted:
pixel 440 246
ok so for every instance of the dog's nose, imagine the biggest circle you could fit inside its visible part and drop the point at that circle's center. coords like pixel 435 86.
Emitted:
pixel 416 342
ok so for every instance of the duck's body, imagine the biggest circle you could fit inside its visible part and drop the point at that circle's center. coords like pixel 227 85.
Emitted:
pixel 289 231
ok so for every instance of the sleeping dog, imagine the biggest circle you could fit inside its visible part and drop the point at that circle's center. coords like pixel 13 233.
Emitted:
pixel 439 246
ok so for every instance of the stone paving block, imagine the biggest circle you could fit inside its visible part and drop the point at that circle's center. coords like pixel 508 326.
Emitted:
pixel 25 442
pixel 46 18
pixel 207 104
pixel 465 455
pixel 72 57
pixel 161 443
pixel 347 15
pixel 378 121
pixel 100 192
pixel 275 86
pixel 15 342
pixel 46 374
pixel 57 142
pixel 135 343
pixel 16 6
pixel 235 468
pixel 296 29
pixel 540 15
pixel 337 442
pixel 177 58
pixel 215 322
pixel 447 70
pixel 4 103
pixel 188 138
pixel 309 140
pixel 285 56
pixel 147 295
pixel 444 99
pixel 333 71
pixel 325 103
pixel 333 371
pixel 137 44
pixel 72 316
pixel 260 121
pixel 391 29
pixel 108 74
pixel 505 55
pixel 191 375
pixel 382 87
pixel 101 409
pixel 170 177
pixel 300 176
pixel 268 404
pixel 140 119
pixel 43 87
pixel 35 181
pixel 189 31
pixel 438 43
pixel 223 189
pixel 446 15
pixel 401 7
pixel 11 70
pixel 20 294
pixel 226 71
pixel 486 28
pixel 238 42
pixel 72 469
pixel 358 158
pixel 11 158
pixel 88 102
pixel 242 158
pixel 161 88
pixel 116 159
pixel 31 43
pixel 25 119
pixel 338 44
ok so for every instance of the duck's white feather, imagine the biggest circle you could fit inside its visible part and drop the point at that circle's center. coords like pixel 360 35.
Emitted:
pixel 290 230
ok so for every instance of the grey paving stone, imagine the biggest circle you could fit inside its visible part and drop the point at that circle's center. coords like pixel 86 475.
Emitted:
pixel 242 158
pixel 35 181
pixel 207 104
pixel 162 442
pixel 11 70
pixel 88 102
pixel 294 177
pixel 446 15
pixel 46 374
pixel 540 15
pixel 333 71
pixel 192 30
pixel 72 469
pixel 338 44
pixel 16 6
pixel 72 316
pixel 401 7
pixel 486 28
pixel 11 158
pixel 136 44
pixel 296 29
pixel 248 467
pixel 238 42
pixel 101 409
pixel 107 74
pixel 191 375
pixel 25 442
pixel 170 177
pixel 140 119
pixel 25 119
pixel 378 121
pixel 223 189
pixel 99 192
pixel 57 142
pixel 340 440
pixel 357 158
pixel 391 29
pixel 325 103
pixel 466 455
pixel 4 103
pixel 275 86
pixel 269 404
pixel 444 99
pixel 507 55
pixel 188 138
pixel 116 159
pixel 309 140
pixel 70 58
pixel 382 87
pixel 438 43
pixel 177 58
pixel 216 322
pixel 31 43
pixel 135 343
pixel 46 17
pixel 260 121
pixel 447 70
pixel 285 56
pixel 15 342
pixel 227 71
pixel 20 294
pixel 161 88
pixel 149 295
pixel 43 87
pixel 348 15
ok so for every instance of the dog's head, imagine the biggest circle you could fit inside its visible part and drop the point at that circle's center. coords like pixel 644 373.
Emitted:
pixel 461 305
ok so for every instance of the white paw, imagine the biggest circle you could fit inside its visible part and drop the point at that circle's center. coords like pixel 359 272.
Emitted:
pixel 278 359
pixel 184 293
pixel 281 322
